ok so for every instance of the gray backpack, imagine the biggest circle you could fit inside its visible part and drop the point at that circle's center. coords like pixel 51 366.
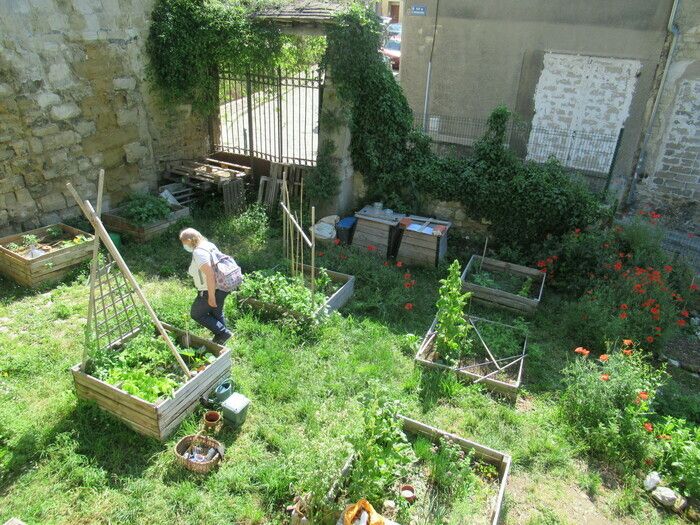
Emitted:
pixel 227 274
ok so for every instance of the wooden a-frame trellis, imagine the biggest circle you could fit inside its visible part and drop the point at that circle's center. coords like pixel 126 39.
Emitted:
pixel 113 314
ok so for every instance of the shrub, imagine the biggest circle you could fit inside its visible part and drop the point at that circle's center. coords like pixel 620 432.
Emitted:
pixel 607 402
pixel 452 340
pixel 142 208
pixel 680 454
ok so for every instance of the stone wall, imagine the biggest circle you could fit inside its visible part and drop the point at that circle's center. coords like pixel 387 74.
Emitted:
pixel 670 179
pixel 74 99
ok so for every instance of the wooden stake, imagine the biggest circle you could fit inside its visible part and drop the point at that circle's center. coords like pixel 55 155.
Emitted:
pixel 106 239
pixel 313 257
pixel 93 268
pixel 485 345
pixel 486 243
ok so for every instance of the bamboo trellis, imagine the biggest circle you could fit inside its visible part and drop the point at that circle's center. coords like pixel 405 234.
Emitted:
pixel 113 314
pixel 295 241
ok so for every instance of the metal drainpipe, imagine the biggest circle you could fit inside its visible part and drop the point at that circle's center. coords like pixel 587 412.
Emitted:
pixel 430 69
pixel 673 28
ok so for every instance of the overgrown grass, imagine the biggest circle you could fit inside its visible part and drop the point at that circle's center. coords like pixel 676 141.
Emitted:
pixel 64 461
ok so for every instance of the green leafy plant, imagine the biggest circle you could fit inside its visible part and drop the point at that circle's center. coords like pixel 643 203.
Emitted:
pixel 54 232
pixel 13 247
pixel 679 442
pixel 526 288
pixel 289 293
pixel 452 340
pixel 29 240
pixel 143 208
pixel 450 468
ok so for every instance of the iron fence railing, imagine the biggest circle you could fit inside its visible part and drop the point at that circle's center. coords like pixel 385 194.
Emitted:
pixel 591 156
pixel 271 115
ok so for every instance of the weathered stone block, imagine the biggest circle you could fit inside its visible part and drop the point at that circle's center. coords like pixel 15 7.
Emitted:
pixel 127 116
pixel 85 128
pixel 61 140
pixel 60 75
pixel 52 202
pixel 47 99
pixel 125 83
pixel 5 90
pixel 135 151
pixel 43 131
pixel 59 157
pixel 65 111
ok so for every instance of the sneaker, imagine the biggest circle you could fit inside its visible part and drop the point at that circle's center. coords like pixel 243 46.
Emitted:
pixel 221 339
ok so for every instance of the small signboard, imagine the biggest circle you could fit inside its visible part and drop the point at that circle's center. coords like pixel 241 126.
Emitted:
pixel 419 10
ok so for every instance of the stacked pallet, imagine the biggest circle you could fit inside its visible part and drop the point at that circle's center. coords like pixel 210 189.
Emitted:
pixel 377 230
pixel 206 171
pixel 423 240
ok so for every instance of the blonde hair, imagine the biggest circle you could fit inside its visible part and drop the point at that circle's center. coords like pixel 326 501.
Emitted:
pixel 192 236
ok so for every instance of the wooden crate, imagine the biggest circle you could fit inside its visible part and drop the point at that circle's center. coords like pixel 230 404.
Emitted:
pixel 334 302
pixel 507 389
pixel 422 248
pixel 49 267
pixel 382 233
pixel 114 222
pixel 159 419
pixel 493 296
pixel 482 453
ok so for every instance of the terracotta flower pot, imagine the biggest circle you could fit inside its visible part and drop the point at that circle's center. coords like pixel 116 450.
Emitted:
pixel 408 492
pixel 211 419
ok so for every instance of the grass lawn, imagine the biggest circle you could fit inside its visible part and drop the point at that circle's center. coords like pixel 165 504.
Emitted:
pixel 65 461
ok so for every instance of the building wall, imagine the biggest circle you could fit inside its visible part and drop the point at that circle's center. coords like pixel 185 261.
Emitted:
pixel 670 175
pixel 74 99
pixel 491 53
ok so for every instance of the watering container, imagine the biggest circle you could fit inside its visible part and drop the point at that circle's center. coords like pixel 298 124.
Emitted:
pixel 345 229
pixel 223 391
pixel 235 409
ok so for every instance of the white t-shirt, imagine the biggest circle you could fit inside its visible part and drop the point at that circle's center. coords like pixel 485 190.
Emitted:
pixel 200 256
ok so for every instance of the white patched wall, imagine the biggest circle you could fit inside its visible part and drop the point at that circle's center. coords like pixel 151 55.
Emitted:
pixel 74 99
pixel 589 98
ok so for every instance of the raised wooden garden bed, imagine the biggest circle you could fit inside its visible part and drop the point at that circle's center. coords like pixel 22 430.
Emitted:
pixel 346 287
pixel 377 231
pixel 499 460
pixel 480 368
pixel 159 419
pixel 508 285
pixel 423 240
pixel 62 254
pixel 115 222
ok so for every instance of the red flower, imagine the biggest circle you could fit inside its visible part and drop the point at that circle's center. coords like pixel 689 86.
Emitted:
pixel 655 310
pixel 650 339
pixel 623 315
pixel 555 257
pixel 627 352
pixel 541 264
pixel 399 264
pixel 407 285
pixel 623 306
pixel 386 263
pixel 639 288
pixel 668 268
pixel 685 313
pixel 407 275
pixel 643 395
pixel 581 350
pixel 320 254
pixel 617 266
pixel 693 287
pixel 658 329
pixel 627 342
pixel 604 357
pixel 654 215
pixel 371 248
pixel 336 241
pixel 648 303
pixel 681 322
pixel 648 427
pixel 604 377
pixel 408 306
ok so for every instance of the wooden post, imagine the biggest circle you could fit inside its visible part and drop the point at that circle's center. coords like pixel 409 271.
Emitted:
pixel 93 267
pixel 102 232
pixel 481 263
pixel 313 257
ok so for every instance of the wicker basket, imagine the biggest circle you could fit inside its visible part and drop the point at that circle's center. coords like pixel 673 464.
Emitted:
pixel 203 467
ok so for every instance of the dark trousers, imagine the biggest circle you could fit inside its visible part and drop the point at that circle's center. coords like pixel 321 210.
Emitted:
pixel 211 318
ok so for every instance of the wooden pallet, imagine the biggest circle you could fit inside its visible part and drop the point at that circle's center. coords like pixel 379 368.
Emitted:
pixel 494 296
pixel 183 193
pixel 161 418
pixel 508 389
pixel 115 222
pixel 203 171
pixel 49 267
pixel 423 248
pixel 381 233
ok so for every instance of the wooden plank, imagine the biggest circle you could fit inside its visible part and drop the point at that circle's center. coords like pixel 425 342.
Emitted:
pixel 118 410
pixel 92 383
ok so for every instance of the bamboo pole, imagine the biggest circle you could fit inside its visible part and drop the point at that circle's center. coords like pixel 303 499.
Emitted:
pixel 485 345
pixel 296 225
pixel 499 370
pixel 313 257
pixel 284 220
pixel 100 229
pixel 481 263
pixel 93 268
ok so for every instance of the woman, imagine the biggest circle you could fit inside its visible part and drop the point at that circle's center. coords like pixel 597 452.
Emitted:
pixel 208 307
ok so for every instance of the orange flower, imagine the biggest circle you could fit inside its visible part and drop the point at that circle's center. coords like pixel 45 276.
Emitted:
pixel 648 427
pixel 623 315
pixel 650 339
pixel 643 395
pixel 627 342
pixel 581 350
pixel 604 357
pixel 408 306
pixel 407 284
pixel 407 275
pixel 604 377
pixel 627 352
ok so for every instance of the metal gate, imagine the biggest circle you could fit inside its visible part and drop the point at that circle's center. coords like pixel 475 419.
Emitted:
pixel 271 116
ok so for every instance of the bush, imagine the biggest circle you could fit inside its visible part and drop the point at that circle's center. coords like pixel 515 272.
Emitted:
pixel 452 341
pixel 607 402
pixel 679 443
